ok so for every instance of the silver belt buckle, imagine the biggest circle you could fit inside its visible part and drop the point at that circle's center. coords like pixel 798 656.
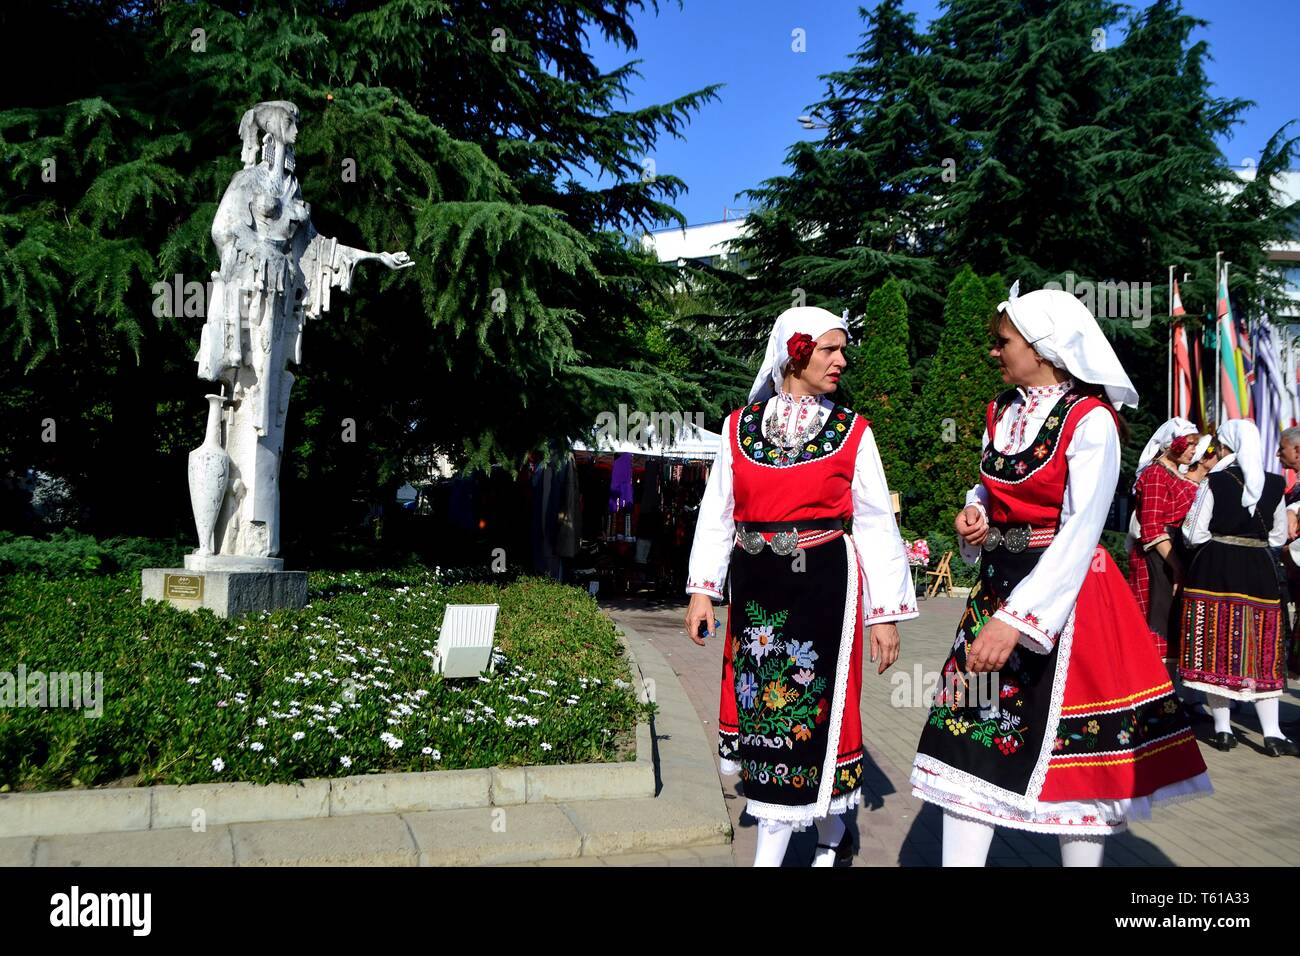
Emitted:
pixel 751 541
pixel 1016 539
pixel 992 539
pixel 784 542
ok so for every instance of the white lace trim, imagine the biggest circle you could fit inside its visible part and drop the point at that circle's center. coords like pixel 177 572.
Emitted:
pixel 1056 817
pixel 1246 695
pixel 847 627
pixel 801 817
pixel 731 767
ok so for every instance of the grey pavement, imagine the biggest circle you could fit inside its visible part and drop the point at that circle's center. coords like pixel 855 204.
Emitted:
pixel 1253 818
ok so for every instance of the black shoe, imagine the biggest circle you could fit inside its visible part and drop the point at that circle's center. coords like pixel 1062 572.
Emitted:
pixel 1280 747
pixel 1224 741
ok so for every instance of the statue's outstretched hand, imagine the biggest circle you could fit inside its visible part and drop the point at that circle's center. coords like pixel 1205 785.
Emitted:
pixel 396 260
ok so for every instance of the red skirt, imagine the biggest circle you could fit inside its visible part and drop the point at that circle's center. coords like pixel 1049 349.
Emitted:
pixel 1078 740
pixel 1115 683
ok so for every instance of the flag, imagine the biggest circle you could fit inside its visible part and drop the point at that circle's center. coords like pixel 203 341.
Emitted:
pixel 1231 383
pixel 1177 308
pixel 1203 421
pixel 1269 400
pixel 1182 384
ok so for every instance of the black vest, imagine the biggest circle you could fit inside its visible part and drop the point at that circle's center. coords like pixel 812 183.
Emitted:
pixel 1229 517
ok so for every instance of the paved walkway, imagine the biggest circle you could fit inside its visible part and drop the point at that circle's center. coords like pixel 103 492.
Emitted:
pixel 1253 818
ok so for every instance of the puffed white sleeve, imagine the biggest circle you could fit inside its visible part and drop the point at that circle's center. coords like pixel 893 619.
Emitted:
pixel 887 591
pixel 1041 604
pixel 979 497
pixel 715 528
pixel 1196 526
pixel 1277 536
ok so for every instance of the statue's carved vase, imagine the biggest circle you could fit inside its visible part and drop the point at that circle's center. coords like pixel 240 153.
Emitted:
pixel 209 473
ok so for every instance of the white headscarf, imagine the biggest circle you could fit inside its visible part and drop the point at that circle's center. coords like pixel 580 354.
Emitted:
pixel 808 319
pixel 1063 331
pixel 1242 436
pixel 1201 447
pixel 1161 439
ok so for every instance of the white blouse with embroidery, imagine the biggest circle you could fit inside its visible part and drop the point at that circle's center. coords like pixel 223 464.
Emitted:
pixel 1196 526
pixel 882 558
pixel 1040 605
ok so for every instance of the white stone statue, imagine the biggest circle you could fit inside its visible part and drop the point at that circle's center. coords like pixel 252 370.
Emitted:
pixel 276 272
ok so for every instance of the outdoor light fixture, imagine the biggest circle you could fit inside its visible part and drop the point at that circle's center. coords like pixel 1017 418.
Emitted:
pixel 465 640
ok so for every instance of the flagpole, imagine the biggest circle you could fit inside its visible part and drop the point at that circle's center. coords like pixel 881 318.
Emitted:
pixel 1218 347
pixel 1169 359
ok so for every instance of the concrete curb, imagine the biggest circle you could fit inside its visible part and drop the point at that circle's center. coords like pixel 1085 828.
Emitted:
pixel 130 810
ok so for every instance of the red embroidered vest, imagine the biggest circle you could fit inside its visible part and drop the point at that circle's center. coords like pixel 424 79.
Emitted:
pixel 1029 487
pixel 817 484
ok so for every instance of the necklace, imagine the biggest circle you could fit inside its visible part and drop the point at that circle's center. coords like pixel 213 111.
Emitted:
pixel 787 440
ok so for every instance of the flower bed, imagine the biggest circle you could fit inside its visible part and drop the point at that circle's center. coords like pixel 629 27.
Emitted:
pixel 342 687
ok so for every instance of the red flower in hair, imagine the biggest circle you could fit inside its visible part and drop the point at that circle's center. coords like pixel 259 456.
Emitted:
pixel 800 346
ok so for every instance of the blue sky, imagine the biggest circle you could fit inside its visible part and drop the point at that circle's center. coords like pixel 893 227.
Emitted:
pixel 738 141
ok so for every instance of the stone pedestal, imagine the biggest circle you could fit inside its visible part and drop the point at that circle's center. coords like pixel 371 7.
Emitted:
pixel 225 593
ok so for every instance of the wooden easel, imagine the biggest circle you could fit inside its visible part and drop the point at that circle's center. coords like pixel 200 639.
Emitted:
pixel 942 575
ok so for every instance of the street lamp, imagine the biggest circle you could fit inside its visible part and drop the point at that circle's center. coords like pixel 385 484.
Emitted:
pixel 813 122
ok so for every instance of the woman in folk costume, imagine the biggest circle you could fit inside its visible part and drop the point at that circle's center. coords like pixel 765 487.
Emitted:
pixel 1162 497
pixel 1234 642
pixel 1080 729
pixel 1204 459
pixel 794 470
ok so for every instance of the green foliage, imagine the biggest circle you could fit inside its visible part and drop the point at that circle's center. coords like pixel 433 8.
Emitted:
pixel 181 690
pixel 962 380
pixel 1115 543
pixel 878 382
pixel 464 122
pixel 69 554
pixel 1029 140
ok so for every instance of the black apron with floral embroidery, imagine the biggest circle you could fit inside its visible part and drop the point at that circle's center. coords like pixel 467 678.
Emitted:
pixel 991 725
pixel 786 626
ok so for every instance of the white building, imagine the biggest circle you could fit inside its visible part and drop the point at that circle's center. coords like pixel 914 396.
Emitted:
pixel 1284 255
pixel 706 244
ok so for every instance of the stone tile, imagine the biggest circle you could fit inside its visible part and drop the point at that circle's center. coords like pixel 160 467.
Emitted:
pixel 1211 831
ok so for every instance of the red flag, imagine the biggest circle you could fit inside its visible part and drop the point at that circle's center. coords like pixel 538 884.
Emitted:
pixel 1182 373
pixel 1178 302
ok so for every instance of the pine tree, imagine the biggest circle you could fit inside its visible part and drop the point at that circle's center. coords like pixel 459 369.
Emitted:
pixel 949 420
pixel 878 382
pixel 852 211
pixel 522 318
pixel 1046 140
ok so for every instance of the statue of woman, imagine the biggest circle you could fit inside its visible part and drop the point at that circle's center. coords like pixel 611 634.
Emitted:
pixel 276 272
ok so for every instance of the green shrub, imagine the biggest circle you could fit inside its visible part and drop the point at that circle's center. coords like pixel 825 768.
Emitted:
pixel 316 690
pixel 67 553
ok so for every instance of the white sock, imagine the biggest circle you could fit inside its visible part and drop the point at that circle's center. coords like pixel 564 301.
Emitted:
pixel 965 842
pixel 1082 850
pixel 830 830
pixel 1267 711
pixel 1219 710
pixel 773 838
